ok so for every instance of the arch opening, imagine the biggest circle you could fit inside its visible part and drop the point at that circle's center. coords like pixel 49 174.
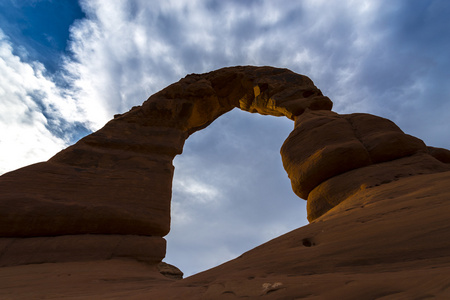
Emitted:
pixel 230 191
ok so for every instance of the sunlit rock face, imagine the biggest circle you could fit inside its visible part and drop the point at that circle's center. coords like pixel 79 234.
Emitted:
pixel 329 157
pixel 118 180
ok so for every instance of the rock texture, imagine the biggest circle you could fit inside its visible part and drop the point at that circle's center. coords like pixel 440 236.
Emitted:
pixel 388 242
pixel 329 157
pixel 70 248
pixel 391 241
pixel 89 223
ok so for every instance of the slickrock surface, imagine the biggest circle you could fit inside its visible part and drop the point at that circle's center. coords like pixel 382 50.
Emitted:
pixel 89 223
pixel 387 242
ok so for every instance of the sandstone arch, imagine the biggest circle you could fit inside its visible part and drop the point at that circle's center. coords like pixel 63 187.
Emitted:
pixel 375 205
pixel 116 183
pixel 118 179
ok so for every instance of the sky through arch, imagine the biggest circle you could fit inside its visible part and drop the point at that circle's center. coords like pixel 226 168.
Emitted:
pixel 230 191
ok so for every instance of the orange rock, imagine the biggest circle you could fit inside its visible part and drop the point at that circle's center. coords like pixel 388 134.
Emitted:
pixel 329 157
pixel 382 138
pixel 322 145
pixel 335 190
pixel 389 241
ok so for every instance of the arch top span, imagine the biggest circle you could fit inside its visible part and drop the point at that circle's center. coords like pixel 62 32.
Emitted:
pixel 198 99
pixel 118 180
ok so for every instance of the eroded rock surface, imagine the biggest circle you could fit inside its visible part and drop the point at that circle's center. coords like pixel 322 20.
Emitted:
pixel 329 157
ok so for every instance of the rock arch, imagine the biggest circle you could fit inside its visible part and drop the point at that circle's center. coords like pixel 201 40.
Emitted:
pixel 109 194
pixel 117 181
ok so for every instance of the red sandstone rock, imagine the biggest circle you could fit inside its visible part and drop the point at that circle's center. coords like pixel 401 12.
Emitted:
pixel 88 247
pixel 329 157
pixel 322 145
pixel 391 241
pixel 388 242
pixel 118 180
pixel 377 202
pixel 170 271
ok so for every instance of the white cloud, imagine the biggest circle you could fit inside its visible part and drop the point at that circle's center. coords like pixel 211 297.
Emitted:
pixel 28 97
pixel 196 191
pixel 120 58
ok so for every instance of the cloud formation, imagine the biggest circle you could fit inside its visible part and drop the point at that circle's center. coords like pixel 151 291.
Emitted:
pixel 366 56
pixel 37 117
pixel 230 191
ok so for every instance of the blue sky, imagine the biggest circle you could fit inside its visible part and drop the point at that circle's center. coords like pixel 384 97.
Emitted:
pixel 67 67
pixel 42 27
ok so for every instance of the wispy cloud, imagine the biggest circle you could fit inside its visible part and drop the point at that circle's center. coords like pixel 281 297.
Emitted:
pixel 361 53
